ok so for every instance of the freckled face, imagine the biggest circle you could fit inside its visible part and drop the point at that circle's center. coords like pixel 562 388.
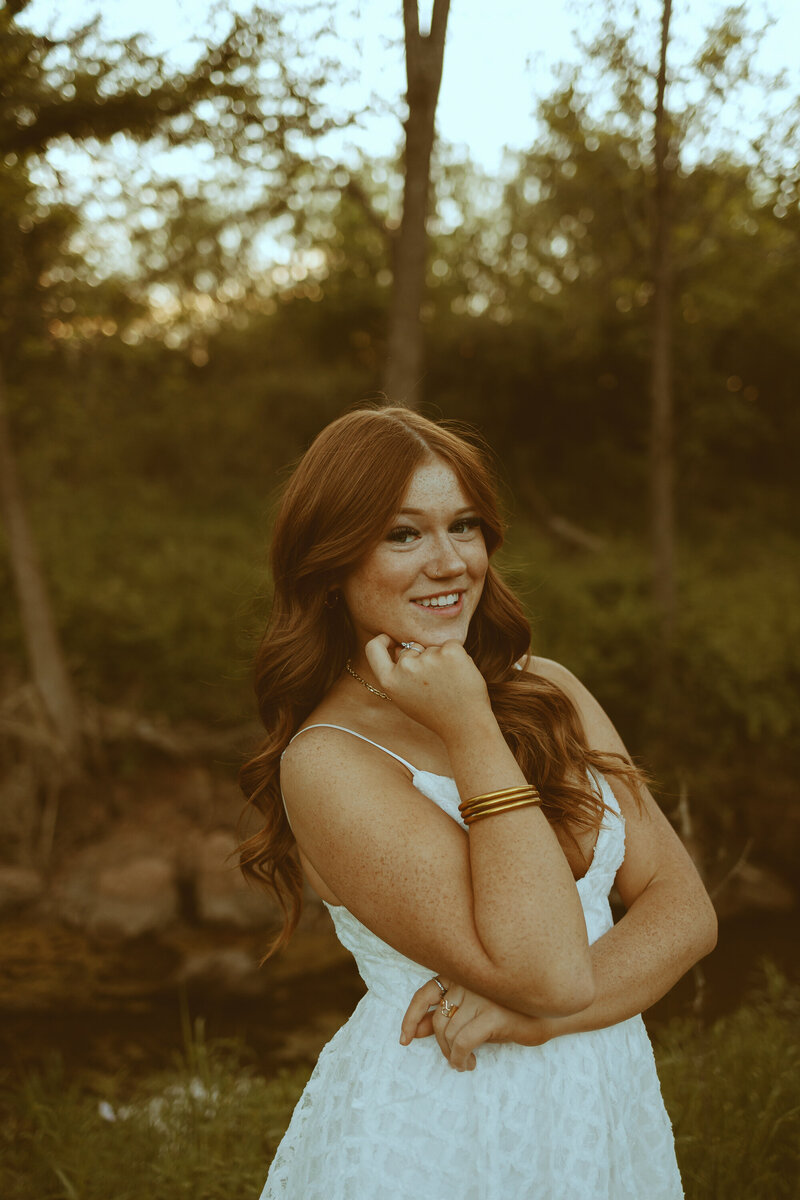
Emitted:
pixel 423 580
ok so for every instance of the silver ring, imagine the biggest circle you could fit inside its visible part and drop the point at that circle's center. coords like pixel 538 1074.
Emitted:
pixel 411 646
pixel 440 985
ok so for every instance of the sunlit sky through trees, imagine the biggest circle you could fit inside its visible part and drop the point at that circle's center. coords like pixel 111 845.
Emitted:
pixel 500 63
pixel 500 58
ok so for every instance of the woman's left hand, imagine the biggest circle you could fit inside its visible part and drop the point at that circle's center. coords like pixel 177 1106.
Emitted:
pixel 475 1021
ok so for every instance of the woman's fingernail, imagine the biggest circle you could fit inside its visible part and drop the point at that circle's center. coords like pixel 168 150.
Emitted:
pixel 403 1039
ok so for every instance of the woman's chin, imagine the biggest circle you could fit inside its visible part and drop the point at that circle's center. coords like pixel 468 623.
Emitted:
pixel 455 632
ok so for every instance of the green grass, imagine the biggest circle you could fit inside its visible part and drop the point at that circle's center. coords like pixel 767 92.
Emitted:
pixel 733 1093
pixel 207 1129
pixel 204 1131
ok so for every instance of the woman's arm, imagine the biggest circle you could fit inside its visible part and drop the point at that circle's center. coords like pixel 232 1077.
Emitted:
pixel 670 921
pixel 669 924
pixel 497 910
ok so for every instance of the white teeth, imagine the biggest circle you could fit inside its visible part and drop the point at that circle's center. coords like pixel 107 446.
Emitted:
pixel 439 601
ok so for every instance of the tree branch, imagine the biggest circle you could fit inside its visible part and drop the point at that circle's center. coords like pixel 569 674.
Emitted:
pixel 441 10
pixel 560 528
pixel 356 192
pixel 410 21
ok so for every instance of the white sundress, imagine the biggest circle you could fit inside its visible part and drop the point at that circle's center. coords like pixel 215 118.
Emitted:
pixel 579 1118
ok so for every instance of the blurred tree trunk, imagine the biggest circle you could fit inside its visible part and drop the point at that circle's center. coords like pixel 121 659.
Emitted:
pixel 424 59
pixel 662 472
pixel 48 663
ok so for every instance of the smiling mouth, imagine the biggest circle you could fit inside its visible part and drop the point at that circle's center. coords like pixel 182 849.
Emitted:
pixel 445 603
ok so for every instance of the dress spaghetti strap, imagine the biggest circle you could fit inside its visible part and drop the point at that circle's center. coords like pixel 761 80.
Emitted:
pixel 344 729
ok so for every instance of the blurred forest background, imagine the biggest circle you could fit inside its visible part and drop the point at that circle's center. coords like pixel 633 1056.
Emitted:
pixel 192 284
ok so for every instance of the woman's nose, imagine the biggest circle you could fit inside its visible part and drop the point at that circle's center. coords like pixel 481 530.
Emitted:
pixel 445 560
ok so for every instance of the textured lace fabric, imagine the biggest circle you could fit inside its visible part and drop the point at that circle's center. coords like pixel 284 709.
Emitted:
pixel 580 1118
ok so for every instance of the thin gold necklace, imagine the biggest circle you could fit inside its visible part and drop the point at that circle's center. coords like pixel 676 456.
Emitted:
pixel 375 691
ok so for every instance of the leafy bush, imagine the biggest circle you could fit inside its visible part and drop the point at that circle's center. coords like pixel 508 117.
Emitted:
pixel 731 733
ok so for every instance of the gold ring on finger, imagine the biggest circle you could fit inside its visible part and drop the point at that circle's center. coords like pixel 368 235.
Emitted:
pixel 447 1009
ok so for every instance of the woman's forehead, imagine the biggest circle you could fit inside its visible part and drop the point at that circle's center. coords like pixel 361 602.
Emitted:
pixel 434 484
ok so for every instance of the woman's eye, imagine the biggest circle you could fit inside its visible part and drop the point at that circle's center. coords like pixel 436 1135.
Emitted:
pixel 406 534
pixel 466 524
pixel 403 534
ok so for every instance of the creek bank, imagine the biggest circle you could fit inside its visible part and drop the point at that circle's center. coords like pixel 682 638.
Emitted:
pixel 142 910
pixel 142 896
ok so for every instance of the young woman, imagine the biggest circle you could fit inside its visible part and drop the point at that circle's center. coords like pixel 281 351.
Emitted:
pixel 463 810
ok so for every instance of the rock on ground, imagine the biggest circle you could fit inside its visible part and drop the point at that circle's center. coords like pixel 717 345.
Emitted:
pixel 19 888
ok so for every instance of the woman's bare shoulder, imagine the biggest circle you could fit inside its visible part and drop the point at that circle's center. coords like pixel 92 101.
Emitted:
pixel 332 742
pixel 325 724
pixel 325 745
pixel 554 671
pixel 599 730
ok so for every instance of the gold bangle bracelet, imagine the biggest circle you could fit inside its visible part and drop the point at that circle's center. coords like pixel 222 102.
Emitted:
pixel 498 806
pixel 484 801
pixel 501 808
pixel 494 813
pixel 494 797
pixel 490 812
pixel 520 787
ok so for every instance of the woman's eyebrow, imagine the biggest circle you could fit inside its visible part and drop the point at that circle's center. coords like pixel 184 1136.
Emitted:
pixel 420 512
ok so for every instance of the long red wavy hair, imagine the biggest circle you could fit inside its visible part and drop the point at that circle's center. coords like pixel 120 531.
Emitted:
pixel 335 508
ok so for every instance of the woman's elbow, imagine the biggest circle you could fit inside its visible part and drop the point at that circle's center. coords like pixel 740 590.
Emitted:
pixel 574 995
pixel 566 1004
pixel 707 934
pixel 700 929
pixel 559 996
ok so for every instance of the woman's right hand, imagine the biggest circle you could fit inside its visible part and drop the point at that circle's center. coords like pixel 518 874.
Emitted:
pixel 439 686
pixel 475 1021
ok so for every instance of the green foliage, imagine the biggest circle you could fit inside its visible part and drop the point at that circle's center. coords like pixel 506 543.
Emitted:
pixel 208 1128
pixel 247 102
pixel 594 614
pixel 150 484
pixel 563 345
pixel 733 1094
pixel 731 731
pixel 155 416
pixel 151 498
pixel 88 86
